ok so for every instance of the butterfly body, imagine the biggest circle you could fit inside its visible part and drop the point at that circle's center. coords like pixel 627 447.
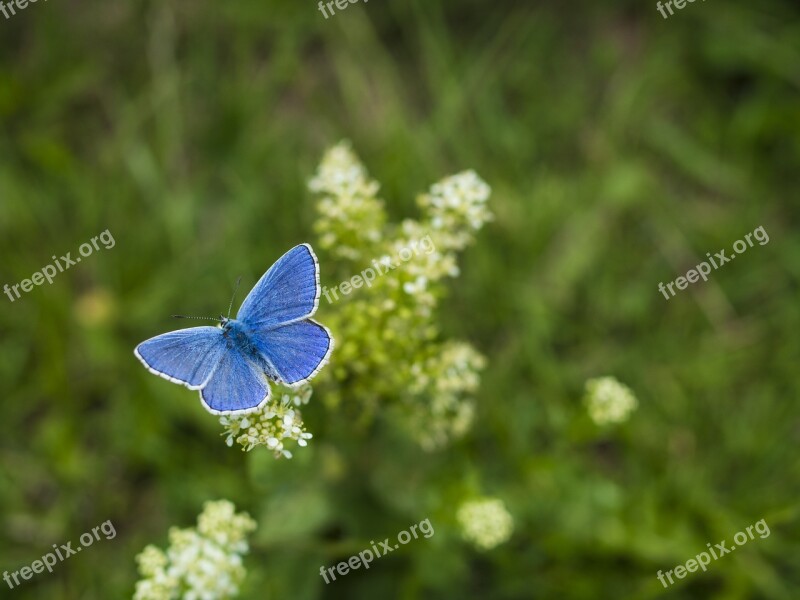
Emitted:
pixel 272 338
pixel 238 336
pixel 236 333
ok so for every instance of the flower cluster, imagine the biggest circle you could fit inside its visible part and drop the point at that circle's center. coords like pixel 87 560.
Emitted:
pixel 456 206
pixel 275 424
pixel 200 564
pixel 608 401
pixel 387 339
pixel 352 217
pixel 447 379
pixel 485 522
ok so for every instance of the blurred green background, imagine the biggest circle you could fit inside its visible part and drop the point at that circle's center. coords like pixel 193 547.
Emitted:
pixel 620 146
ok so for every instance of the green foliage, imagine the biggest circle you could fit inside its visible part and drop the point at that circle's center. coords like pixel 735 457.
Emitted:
pixel 620 148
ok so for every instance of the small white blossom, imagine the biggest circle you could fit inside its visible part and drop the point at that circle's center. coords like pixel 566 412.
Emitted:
pixel 485 522
pixel 351 218
pixel 449 378
pixel 457 206
pixel 157 585
pixel 279 421
pixel 608 401
pixel 200 564
pixel 341 174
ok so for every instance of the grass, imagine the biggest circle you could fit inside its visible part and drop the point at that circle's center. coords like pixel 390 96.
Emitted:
pixel 620 147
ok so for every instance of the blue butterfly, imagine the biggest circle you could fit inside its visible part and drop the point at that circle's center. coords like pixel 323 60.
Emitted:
pixel 271 338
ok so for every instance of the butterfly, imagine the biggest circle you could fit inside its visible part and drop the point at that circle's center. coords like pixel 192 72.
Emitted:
pixel 272 338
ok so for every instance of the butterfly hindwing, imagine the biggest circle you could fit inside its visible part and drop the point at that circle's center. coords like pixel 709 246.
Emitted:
pixel 289 291
pixel 187 356
pixel 297 351
pixel 236 386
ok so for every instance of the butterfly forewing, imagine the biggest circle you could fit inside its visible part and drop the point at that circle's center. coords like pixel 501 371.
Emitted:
pixel 288 292
pixel 187 356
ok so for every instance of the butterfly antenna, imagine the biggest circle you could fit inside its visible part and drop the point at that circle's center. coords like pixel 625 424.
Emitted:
pixel 235 289
pixel 203 318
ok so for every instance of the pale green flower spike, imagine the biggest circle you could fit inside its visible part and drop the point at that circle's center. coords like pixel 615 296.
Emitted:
pixel 485 522
pixel 274 425
pixel 200 564
pixel 608 401
pixel 352 218
pixel 389 355
pixel 447 379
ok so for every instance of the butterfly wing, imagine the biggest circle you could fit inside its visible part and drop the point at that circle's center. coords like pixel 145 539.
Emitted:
pixel 296 351
pixel 276 313
pixel 187 356
pixel 288 292
pixel 236 386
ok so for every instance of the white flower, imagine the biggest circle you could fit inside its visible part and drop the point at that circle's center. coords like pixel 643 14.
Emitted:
pixel 449 378
pixel 157 585
pixel 277 423
pixel 341 174
pixel 457 206
pixel 485 522
pixel 351 217
pixel 608 401
pixel 200 564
